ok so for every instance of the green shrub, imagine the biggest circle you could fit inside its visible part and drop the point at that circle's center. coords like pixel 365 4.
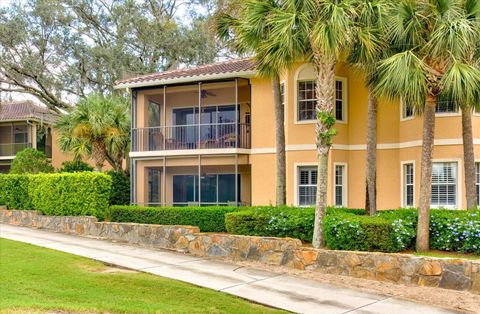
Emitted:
pixel 14 191
pixel 385 233
pixel 31 160
pixel 455 231
pixel 71 194
pixel 120 194
pixel 208 219
pixel 75 166
pixel 271 221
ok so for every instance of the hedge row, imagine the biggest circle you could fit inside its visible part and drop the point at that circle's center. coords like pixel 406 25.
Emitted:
pixel 208 219
pixel 277 221
pixel 350 229
pixel 59 194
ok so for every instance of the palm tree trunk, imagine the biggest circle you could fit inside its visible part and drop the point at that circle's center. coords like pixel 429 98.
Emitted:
pixel 423 225
pixel 99 154
pixel 371 162
pixel 279 142
pixel 469 159
pixel 325 88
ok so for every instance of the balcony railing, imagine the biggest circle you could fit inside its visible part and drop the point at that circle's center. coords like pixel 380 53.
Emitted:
pixel 194 136
pixel 11 149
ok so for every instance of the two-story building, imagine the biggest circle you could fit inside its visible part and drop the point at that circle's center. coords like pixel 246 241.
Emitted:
pixel 206 135
pixel 23 125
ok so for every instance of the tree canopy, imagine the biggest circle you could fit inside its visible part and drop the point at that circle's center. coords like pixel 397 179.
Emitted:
pixel 62 50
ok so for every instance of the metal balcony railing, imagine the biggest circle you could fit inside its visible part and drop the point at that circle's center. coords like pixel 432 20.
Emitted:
pixel 194 136
pixel 11 149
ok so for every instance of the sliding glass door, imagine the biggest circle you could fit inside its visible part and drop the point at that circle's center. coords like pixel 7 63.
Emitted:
pixel 216 189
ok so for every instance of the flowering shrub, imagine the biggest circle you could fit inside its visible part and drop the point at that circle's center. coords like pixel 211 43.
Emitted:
pixel 364 233
pixel 350 229
pixel 277 221
pixel 455 231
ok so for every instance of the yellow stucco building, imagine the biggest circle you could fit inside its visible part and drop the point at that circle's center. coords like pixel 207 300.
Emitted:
pixel 226 154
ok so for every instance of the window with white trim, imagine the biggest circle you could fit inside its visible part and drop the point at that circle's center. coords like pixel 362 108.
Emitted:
pixel 407 109
pixel 307 100
pixel 444 184
pixel 408 185
pixel 445 106
pixel 307 185
pixel 340 185
pixel 477 180
pixel 339 101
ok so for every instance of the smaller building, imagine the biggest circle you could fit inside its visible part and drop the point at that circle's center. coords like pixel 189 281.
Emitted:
pixel 22 125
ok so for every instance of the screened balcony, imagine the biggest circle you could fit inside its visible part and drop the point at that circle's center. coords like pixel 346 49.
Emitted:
pixel 14 137
pixel 196 116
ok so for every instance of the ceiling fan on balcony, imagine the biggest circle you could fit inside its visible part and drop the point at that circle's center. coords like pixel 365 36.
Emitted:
pixel 205 93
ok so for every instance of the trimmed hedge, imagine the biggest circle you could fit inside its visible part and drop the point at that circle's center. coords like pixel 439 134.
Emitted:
pixel 271 221
pixel 14 191
pixel 383 232
pixel 350 229
pixel 71 194
pixel 120 194
pixel 208 219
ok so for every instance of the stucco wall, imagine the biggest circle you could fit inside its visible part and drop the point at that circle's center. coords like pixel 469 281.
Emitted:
pixel 399 141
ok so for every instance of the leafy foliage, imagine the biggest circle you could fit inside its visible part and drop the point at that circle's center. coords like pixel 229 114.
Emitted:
pixel 58 50
pixel 275 222
pixel 208 219
pixel 350 229
pixel 120 194
pixel 75 166
pixel 98 128
pixel 70 194
pixel 14 191
pixel 30 160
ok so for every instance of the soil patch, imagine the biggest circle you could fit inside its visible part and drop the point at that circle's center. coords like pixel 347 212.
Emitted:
pixel 462 301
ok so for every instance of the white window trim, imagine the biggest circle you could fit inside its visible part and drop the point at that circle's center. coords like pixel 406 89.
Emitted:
pixel 459 196
pixel 295 178
pixel 402 182
pixel 345 184
pixel 402 107
pixel 295 91
pixel 448 114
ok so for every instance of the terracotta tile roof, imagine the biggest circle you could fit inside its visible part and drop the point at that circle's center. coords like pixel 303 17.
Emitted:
pixel 26 110
pixel 226 67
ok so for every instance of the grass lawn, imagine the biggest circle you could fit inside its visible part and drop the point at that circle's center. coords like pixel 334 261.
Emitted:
pixel 35 279
pixel 444 254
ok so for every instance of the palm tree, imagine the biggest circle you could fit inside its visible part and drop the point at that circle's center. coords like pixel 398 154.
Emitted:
pixel 473 12
pixel 98 128
pixel 367 49
pixel 469 158
pixel 431 41
pixel 321 32
pixel 246 29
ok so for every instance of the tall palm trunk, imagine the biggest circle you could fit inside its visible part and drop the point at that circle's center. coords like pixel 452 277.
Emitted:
pixel 469 159
pixel 279 142
pixel 99 154
pixel 423 226
pixel 371 162
pixel 325 88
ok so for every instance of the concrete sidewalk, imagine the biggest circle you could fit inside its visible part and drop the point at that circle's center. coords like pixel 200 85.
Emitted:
pixel 273 289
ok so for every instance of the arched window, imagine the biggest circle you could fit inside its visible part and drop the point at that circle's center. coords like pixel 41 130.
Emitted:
pixel 306 96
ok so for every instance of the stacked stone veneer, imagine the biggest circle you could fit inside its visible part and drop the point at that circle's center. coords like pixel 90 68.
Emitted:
pixel 457 274
pixel 140 234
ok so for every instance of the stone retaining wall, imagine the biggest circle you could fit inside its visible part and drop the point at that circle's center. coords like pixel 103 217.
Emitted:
pixel 457 274
pixel 140 234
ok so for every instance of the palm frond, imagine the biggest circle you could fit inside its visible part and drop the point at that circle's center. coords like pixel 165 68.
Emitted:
pixel 402 75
